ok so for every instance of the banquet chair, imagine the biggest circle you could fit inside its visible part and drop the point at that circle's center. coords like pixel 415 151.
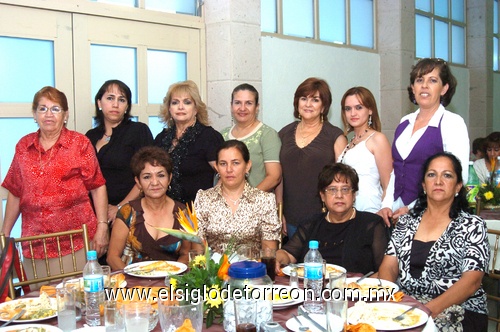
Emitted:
pixel 48 275
pixel 494 274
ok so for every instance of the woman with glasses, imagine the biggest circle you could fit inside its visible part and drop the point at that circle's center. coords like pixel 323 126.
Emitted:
pixel 347 237
pixel 116 138
pixel 427 131
pixel 49 181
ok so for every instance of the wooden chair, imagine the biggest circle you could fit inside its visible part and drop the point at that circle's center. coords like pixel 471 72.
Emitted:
pixel 494 275
pixel 63 271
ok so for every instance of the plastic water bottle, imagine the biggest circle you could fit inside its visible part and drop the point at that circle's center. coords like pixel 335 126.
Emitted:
pixel 93 286
pixel 313 279
pixel 472 184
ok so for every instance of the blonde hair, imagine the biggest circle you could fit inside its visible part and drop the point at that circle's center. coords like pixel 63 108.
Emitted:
pixel 186 87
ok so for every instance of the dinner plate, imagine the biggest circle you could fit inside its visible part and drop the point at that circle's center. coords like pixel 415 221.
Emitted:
pixel 14 303
pixel 123 284
pixel 373 284
pixel 380 315
pixel 293 325
pixel 283 296
pixel 91 329
pixel 135 269
pixel 329 268
pixel 18 328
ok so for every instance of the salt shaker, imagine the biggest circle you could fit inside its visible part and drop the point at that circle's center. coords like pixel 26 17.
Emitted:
pixel 294 278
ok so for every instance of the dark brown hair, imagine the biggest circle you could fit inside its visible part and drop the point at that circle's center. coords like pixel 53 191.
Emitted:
pixel 367 99
pixel 154 155
pixel 308 88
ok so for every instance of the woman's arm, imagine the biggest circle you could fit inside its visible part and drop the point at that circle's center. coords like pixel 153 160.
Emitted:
pixel 460 291
pixel 339 146
pixel 184 252
pixel 271 244
pixel 12 212
pixel 389 269
pixel 279 200
pixel 273 176
pixel 117 244
pixel 283 257
pixel 101 237
pixel 113 209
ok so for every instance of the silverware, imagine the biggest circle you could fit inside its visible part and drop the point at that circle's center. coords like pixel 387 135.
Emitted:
pixel 366 275
pixel 400 317
pixel 16 316
pixel 301 326
pixel 304 314
pixel 379 282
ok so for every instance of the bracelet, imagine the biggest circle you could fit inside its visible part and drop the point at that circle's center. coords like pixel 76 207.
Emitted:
pixel 103 222
pixel 119 206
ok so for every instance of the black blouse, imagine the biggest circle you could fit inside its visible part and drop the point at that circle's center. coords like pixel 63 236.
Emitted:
pixel 114 158
pixel 358 244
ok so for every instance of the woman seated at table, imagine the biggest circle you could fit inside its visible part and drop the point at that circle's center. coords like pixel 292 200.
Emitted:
pixel 439 252
pixel 135 236
pixel 234 211
pixel 347 237
pixel 483 166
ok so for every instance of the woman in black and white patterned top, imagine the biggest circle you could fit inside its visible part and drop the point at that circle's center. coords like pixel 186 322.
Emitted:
pixel 439 252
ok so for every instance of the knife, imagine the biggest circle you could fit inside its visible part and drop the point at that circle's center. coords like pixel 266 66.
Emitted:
pixel 16 316
pixel 303 313
pixel 366 275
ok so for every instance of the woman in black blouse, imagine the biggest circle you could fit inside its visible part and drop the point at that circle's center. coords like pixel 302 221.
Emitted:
pixel 116 138
pixel 347 237
pixel 191 143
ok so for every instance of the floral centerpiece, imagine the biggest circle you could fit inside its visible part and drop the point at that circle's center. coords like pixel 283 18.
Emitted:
pixel 489 193
pixel 205 276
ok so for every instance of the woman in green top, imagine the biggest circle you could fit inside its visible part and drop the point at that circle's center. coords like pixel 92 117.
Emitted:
pixel 262 141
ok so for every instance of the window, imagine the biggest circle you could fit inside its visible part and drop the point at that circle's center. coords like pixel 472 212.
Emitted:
pixel 496 35
pixel 348 22
pixel 188 7
pixel 440 30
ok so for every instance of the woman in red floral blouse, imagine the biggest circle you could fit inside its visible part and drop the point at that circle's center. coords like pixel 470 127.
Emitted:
pixel 49 181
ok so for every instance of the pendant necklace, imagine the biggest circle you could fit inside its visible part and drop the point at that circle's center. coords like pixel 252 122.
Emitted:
pixel 234 201
pixel 304 138
pixel 108 137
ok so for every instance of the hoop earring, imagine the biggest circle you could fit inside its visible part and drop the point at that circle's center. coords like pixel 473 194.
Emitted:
pixel 323 209
pixel 370 121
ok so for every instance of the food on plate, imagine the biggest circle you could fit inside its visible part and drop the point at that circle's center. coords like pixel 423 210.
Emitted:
pixel 398 296
pixel 279 296
pixel 361 327
pixel 29 329
pixel 366 288
pixel 186 326
pixel 49 290
pixel 36 308
pixel 329 268
pixel 155 267
pixel 116 280
pixel 382 315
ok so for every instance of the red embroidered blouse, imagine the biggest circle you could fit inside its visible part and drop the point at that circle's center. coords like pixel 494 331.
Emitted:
pixel 53 187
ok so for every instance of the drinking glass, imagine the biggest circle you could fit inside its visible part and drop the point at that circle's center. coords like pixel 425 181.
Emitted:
pixel 106 275
pixel 336 316
pixel 137 316
pixel 66 310
pixel 77 286
pixel 244 252
pixel 268 257
pixel 172 317
pixel 245 315
pixel 193 253
pixel 337 283
pixel 113 317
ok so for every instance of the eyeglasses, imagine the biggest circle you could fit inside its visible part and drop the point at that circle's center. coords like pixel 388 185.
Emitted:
pixel 44 109
pixel 334 191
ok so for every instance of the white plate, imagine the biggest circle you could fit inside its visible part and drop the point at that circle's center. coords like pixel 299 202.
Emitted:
pixel 293 325
pixel 7 304
pixel 380 315
pixel 329 267
pixel 371 283
pixel 133 270
pixel 15 328
pixel 91 329
pixel 282 296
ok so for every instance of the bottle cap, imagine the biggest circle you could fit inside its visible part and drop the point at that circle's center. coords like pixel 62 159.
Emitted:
pixel 247 269
pixel 91 254
pixel 313 244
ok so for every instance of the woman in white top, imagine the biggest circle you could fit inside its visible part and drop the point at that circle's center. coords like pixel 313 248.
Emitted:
pixel 483 166
pixel 368 152
pixel 429 130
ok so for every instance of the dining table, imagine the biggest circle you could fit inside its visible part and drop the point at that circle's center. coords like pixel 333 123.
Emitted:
pixel 280 316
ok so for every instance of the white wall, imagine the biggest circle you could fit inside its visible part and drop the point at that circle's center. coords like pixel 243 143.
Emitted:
pixel 286 63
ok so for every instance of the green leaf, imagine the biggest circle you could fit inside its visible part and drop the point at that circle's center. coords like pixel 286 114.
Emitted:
pixel 181 234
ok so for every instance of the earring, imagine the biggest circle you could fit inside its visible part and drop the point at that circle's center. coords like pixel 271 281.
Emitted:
pixel 323 209
pixel 169 188
pixel 65 121
pixel 456 194
pixel 425 192
pixel 321 117
pixel 300 117
pixel 348 127
pixel 100 109
pixel 247 175
pixel 370 121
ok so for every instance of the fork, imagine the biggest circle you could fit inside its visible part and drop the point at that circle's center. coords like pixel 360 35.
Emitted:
pixel 400 317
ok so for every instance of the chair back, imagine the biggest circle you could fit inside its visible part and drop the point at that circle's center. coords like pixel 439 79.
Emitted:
pixel 48 274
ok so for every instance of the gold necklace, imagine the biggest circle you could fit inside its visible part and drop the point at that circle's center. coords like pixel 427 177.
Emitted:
pixel 304 138
pixel 331 222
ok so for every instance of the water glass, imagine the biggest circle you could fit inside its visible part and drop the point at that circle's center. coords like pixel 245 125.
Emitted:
pixel 106 275
pixel 193 253
pixel 244 252
pixel 113 317
pixel 66 309
pixel 173 316
pixel 268 257
pixel 336 316
pixel 245 315
pixel 77 286
pixel 337 283
pixel 136 316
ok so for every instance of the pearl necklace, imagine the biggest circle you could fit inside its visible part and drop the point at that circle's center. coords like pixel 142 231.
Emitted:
pixel 331 222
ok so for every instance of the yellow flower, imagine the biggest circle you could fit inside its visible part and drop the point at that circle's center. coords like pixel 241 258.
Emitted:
pixel 213 297
pixel 488 195
pixel 200 261
pixel 173 282
pixel 484 185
